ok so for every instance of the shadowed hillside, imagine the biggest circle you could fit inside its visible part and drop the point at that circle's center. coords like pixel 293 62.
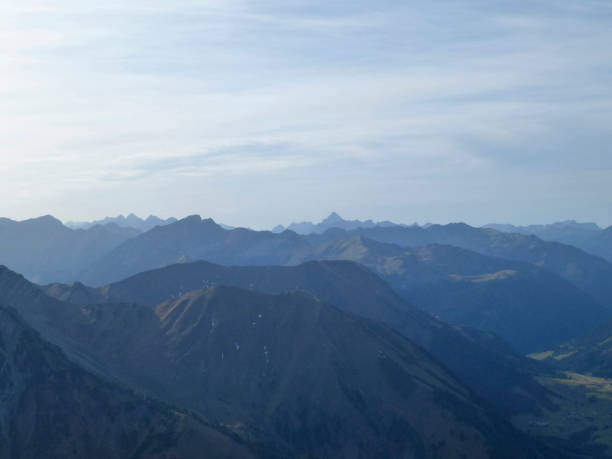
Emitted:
pixel 530 307
pixel 51 408
pixel 481 360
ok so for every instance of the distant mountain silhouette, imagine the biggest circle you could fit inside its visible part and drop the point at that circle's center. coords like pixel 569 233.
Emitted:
pixel 131 221
pixel 586 236
pixel 553 231
pixel 45 250
pixel 480 360
pixel 49 407
pixel 531 308
pixel 332 221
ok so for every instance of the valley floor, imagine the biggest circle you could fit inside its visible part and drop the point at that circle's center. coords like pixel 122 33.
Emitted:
pixel 583 420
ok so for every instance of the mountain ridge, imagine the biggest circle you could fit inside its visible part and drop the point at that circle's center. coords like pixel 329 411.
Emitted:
pixel 129 221
pixel 195 239
pixel 45 250
pixel 529 307
pixel 587 236
pixel 290 354
pixel 333 220
pixel 487 365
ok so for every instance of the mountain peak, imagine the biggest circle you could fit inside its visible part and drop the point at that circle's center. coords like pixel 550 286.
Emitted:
pixel 209 221
pixel 191 219
pixel 333 218
pixel 48 220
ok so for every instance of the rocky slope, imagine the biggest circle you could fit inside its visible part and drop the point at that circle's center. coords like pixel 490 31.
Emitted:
pixel 51 408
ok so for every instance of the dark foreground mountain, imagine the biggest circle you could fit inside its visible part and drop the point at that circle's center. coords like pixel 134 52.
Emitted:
pixel 45 250
pixel 530 307
pixel 286 371
pixel 51 408
pixel 327 382
pixel 480 360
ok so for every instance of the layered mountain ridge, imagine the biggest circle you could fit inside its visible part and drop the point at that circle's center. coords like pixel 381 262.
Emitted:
pixel 530 307
pixel 480 360
pixel 193 239
pixel 333 220
pixel 586 236
pixel 130 221
pixel 287 371
pixel 548 281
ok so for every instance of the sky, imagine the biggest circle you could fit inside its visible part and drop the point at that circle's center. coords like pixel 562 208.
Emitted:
pixel 262 112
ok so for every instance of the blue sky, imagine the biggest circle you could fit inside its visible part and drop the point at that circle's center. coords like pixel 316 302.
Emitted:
pixel 265 112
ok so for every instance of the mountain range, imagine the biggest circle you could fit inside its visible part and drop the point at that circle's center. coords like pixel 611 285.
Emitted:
pixel 353 340
pixel 287 372
pixel 482 361
pixel 588 272
pixel 531 308
pixel 586 236
pixel 511 284
pixel 131 221
pixel 45 250
pixel 193 239
pixel 333 220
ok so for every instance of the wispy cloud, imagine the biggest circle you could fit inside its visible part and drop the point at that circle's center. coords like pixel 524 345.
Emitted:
pixel 315 98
